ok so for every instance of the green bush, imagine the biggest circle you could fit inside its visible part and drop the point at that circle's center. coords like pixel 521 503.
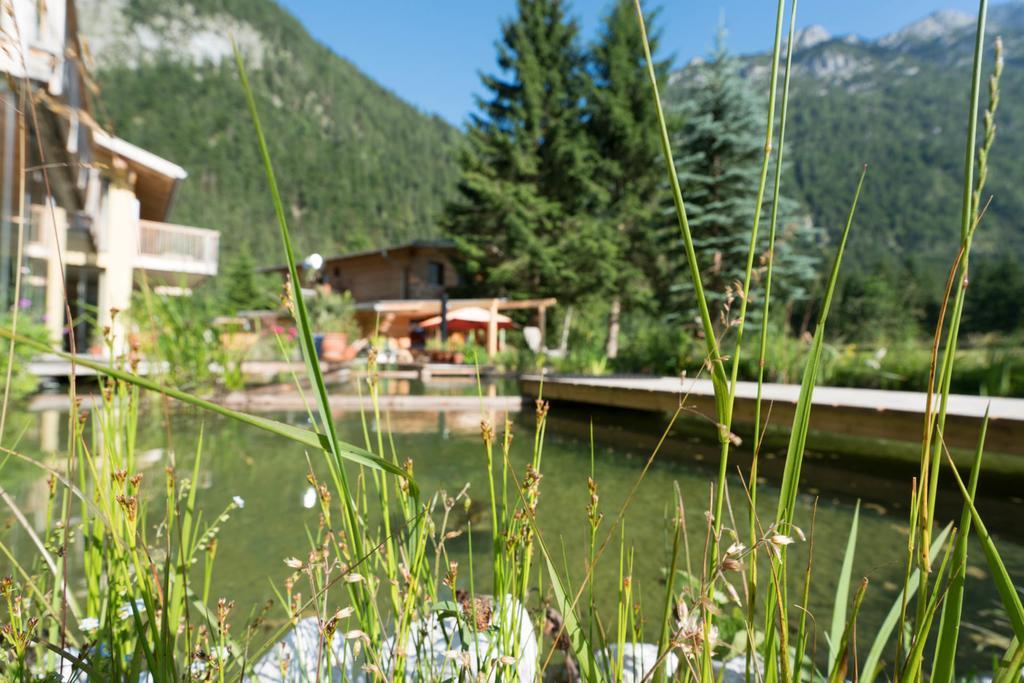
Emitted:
pixel 334 312
pixel 23 382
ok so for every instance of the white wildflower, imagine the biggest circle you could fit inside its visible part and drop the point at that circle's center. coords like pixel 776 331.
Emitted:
pixel 125 610
pixel 238 501
pixel 736 549
pixel 309 498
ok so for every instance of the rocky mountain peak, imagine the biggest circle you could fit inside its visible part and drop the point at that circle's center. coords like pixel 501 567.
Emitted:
pixel 115 37
pixel 811 36
pixel 935 25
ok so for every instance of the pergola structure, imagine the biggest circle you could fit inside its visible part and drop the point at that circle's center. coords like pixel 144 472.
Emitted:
pixel 396 316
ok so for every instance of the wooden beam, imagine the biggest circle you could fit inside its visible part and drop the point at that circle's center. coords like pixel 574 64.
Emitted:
pixel 492 330
pixel 542 320
pixel 433 306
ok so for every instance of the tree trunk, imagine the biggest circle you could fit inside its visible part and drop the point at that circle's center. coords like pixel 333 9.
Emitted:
pixel 611 350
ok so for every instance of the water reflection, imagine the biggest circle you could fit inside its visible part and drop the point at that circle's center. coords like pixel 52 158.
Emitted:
pixel 270 475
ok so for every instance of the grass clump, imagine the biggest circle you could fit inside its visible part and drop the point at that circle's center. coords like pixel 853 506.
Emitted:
pixel 381 596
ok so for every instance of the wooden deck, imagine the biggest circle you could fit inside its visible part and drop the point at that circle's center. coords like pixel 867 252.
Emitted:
pixel 290 401
pixel 861 413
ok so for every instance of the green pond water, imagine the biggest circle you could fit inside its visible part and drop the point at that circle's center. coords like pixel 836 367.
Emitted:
pixel 270 475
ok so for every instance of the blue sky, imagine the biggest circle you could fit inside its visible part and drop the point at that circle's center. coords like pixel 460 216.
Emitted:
pixel 430 52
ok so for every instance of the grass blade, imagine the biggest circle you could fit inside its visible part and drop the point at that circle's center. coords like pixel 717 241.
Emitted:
pixel 1011 664
pixel 574 632
pixel 802 416
pixel 949 622
pixel 839 667
pixel 710 339
pixel 843 592
pixel 872 663
pixel 1004 584
pixel 912 667
pixel 301 313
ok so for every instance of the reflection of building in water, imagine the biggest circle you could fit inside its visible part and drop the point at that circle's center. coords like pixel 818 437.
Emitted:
pixel 444 422
pixel 49 430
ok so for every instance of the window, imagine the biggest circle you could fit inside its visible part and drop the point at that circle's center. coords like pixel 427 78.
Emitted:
pixel 435 273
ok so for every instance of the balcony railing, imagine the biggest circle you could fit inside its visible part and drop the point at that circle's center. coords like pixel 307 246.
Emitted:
pixel 177 248
pixel 38 222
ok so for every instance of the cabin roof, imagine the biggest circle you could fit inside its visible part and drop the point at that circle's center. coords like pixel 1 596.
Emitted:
pixel 438 244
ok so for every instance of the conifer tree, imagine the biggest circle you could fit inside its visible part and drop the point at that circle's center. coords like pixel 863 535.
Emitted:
pixel 242 288
pixel 523 213
pixel 718 150
pixel 623 128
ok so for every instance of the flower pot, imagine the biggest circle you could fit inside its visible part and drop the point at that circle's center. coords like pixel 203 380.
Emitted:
pixel 334 347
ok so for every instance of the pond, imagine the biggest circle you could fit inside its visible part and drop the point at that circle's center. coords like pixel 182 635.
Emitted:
pixel 270 475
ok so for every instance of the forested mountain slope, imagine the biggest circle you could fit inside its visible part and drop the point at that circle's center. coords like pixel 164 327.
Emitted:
pixel 358 167
pixel 899 104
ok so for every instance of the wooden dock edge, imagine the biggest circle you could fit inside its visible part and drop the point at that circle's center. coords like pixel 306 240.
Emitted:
pixel 1004 436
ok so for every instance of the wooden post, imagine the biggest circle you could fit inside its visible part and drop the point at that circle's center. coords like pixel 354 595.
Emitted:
pixel 492 330
pixel 542 324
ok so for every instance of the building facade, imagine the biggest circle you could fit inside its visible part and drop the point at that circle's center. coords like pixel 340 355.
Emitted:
pixel 417 270
pixel 85 210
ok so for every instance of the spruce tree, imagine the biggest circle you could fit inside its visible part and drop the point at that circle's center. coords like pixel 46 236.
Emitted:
pixel 623 127
pixel 523 213
pixel 242 288
pixel 718 150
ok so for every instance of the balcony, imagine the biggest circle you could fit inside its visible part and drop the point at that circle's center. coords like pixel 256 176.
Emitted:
pixel 169 248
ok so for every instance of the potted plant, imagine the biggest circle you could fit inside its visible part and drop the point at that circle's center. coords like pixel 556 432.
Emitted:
pixel 334 317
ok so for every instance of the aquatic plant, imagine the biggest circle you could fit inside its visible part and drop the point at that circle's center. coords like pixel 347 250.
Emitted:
pixel 387 600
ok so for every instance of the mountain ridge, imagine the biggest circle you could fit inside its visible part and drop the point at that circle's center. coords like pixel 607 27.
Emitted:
pixel 901 106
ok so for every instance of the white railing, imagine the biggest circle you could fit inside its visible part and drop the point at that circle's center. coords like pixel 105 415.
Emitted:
pixel 38 221
pixel 164 246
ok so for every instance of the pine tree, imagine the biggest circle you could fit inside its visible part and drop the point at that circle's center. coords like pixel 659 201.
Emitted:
pixel 623 127
pixel 242 288
pixel 718 150
pixel 523 214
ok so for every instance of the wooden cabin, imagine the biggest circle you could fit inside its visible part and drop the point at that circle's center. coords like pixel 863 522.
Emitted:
pixel 398 287
pixel 416 270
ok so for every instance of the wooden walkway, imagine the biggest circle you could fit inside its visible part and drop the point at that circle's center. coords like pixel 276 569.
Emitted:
pixel 871 413
pixel 291 401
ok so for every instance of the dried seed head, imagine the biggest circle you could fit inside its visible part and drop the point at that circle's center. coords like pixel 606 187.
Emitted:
pixel 130 505
pixel 731 565
pixel 224 608
pixel 542 409
pixel 452 575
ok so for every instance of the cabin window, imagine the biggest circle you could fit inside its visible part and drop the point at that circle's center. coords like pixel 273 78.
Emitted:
pixel 435 273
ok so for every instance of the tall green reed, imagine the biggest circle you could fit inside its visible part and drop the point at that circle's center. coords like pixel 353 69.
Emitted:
pixel 394 576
